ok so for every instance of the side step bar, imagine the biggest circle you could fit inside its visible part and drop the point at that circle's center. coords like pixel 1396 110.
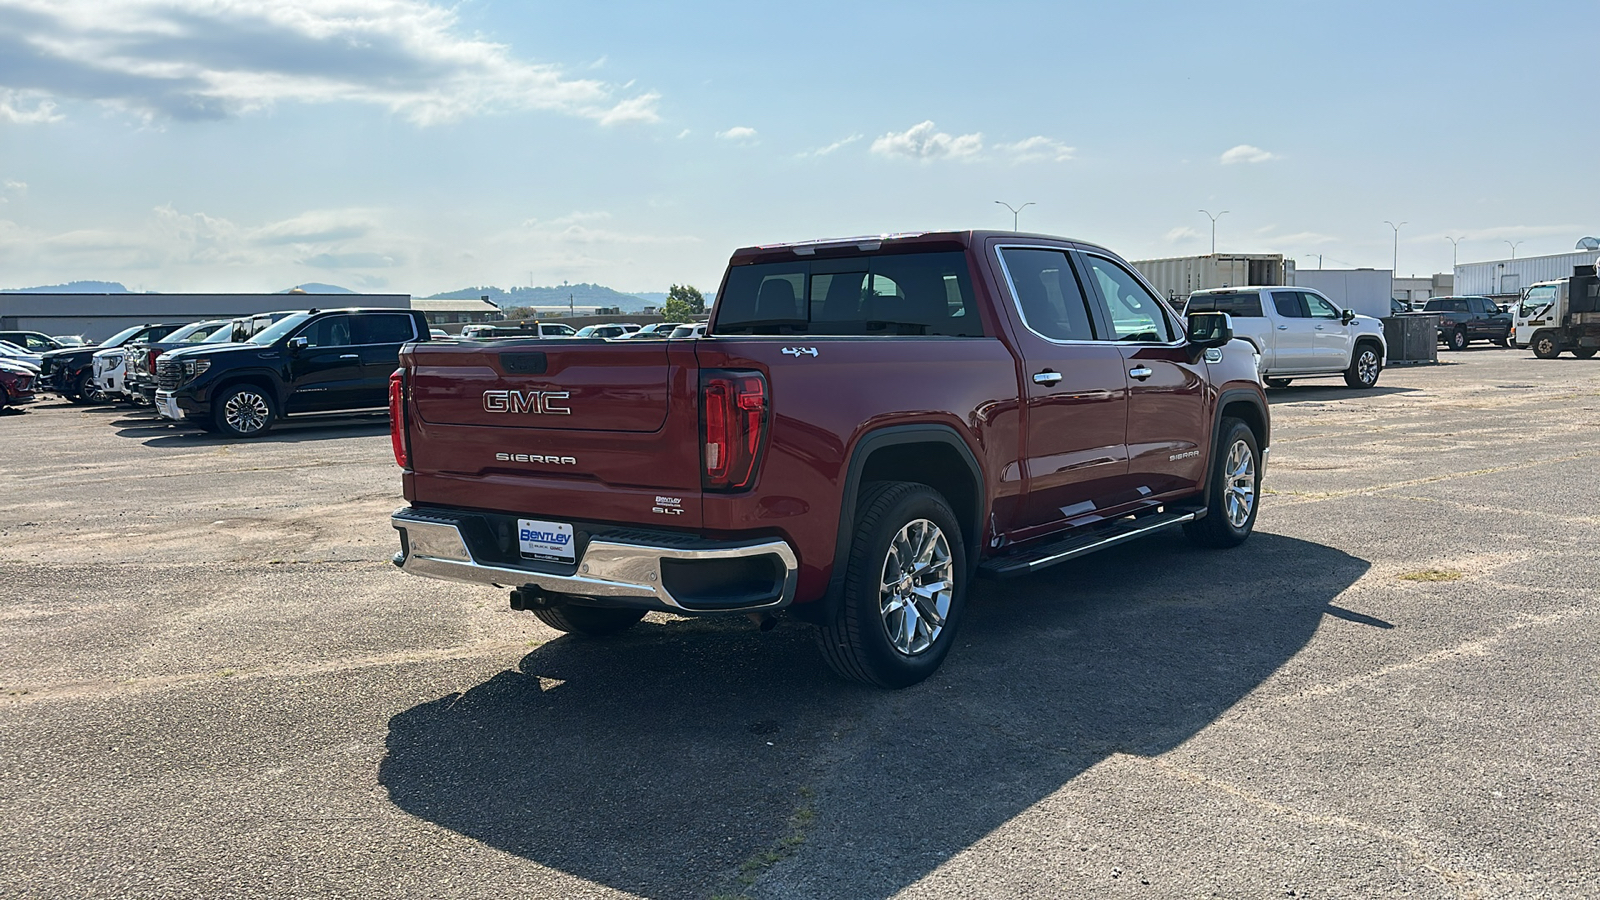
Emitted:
pixel 1080 545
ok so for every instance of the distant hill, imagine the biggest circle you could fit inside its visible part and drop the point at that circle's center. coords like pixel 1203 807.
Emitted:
pixel 74 287
pixel 312 287
pixel 580 294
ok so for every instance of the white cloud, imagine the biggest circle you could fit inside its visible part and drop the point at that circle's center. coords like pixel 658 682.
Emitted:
pixel 574 228
pixel 824 151
pixel 14 108
pixel 1180 234
pixel 207 59
pixel 1036 149
pixel 738 133
pixel 1244 153
pixel 925 142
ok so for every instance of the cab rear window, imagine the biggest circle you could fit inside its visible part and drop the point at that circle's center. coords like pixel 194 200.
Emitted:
pixel 1239 304
pixel 900 294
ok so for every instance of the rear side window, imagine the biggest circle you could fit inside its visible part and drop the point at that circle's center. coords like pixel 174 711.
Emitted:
pixel 1244 304
pixel 379 328
pixel 1288 305
pixel 1048 293
pixel 899 294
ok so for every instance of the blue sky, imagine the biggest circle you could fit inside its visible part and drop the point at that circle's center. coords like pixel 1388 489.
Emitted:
pixel 191 145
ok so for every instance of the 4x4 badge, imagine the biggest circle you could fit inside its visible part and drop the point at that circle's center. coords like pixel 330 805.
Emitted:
pixel 798 352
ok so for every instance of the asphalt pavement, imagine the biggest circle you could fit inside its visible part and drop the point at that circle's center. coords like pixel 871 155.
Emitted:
pixel 214 684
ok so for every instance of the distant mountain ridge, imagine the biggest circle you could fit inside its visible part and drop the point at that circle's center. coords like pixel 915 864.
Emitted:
pixel 74 287
pixel 313 287
pixel 583 294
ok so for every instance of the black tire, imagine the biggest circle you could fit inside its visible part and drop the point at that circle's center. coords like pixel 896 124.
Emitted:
pixel 5 398
pixel 1365 365
pixel 1583 352
pixel 1545 345
pixel 244 410
pixel 1278 382
pixel 84 392
pixel 857 642
pixel 594 621
pixel 1502 341
pixel 1217 529
pixel 1457 339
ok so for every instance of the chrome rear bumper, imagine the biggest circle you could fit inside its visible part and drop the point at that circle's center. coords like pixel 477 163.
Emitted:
pixel 628 573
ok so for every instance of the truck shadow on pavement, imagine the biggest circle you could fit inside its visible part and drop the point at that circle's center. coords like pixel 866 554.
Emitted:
pixel 1329 391
pixel 155 431
pixel 670 761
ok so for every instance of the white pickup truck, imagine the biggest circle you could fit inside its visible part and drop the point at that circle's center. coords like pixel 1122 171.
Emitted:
pixel 1300 333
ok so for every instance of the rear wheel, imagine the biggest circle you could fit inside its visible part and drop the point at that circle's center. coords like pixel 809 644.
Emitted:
pixel 5 398
pixel 595 621
pixel 1545 345
pixel 1583 352
pixel 1364 367
pixel 1277 382
pixel 1457 339
pixel 904 588
pixel 244 411
pixel 1234 488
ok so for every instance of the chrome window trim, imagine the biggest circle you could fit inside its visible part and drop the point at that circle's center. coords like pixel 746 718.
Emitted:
pixel 1016 304
pixel 411 320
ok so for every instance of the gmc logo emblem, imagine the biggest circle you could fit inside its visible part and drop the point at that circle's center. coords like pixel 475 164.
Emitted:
pixel 537 402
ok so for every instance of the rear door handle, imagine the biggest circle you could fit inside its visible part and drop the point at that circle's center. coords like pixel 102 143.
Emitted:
pixel 1283 328
pixel 1047 377
pixel 1140 372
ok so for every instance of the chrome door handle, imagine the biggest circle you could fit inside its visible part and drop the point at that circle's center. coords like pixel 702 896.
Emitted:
pixel 1140 372
pixel 1283 328
pixel 1047 378
pixel 349 356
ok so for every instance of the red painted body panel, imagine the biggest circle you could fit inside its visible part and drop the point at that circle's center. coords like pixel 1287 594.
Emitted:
pixel 1097 445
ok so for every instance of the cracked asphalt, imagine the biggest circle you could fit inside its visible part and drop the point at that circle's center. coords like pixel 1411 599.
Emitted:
pixel 214 684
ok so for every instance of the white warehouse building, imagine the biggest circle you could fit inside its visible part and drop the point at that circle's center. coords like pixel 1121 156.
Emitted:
pixel 1506 278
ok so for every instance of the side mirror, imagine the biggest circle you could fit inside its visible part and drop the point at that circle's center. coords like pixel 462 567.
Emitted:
pixel 1347 316
pixel 296 344
pixel 1209 329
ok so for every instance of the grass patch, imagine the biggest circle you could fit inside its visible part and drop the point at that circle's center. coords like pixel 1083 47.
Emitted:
pixel 1432 575
pixel 799 822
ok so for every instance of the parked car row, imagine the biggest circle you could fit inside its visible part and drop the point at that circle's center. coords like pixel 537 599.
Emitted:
pixel 546 330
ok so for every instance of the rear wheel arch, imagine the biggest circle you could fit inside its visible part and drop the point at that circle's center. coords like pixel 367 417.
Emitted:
pixel 935 455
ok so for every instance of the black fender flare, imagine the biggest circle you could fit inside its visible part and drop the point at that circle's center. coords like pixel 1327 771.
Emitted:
pixel 889 436
pixel 1265 438
pixel 254 374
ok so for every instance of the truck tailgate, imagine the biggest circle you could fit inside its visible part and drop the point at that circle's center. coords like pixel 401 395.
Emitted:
pixel 591 431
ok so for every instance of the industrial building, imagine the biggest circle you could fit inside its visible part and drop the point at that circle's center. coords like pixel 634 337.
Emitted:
pixel 99 316
pixel 443 313
pixel 1504 279
pixel 1367 291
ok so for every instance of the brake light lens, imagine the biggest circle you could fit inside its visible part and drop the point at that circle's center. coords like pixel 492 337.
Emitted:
pixel 150 360
pixel 397 418
pixel 733 427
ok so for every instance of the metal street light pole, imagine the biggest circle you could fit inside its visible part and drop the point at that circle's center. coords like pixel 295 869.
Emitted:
pixel 1319 259
pixel 1394 267
pixel 1214 228
pixel 1015 210
pixel 1514 248
pixel 1453 248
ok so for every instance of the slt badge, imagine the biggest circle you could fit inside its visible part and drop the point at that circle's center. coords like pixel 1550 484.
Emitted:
pixel 798 352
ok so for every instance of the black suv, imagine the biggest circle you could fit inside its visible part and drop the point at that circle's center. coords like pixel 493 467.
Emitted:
pixel 70 370
pixel 31 341
pixel 307 362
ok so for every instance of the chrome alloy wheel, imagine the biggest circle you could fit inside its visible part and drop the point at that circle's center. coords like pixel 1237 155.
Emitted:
pixel 917 587
pixel 1239 495
pixel 1367 366
pixel 246 412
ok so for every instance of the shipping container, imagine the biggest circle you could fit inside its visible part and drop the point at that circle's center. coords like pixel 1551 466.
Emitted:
pixel 1366 291
pixel 1178 277
pixel 1505 278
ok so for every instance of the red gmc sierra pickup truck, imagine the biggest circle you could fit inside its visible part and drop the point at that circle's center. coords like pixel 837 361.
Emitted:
pixel 867 425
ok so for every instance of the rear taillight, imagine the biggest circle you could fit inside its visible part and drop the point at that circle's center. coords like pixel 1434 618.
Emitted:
pixel 397 418
pixel 733 425
pixel 150 360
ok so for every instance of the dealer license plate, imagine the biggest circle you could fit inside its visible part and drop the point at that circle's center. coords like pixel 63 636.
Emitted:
pixel 546 540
